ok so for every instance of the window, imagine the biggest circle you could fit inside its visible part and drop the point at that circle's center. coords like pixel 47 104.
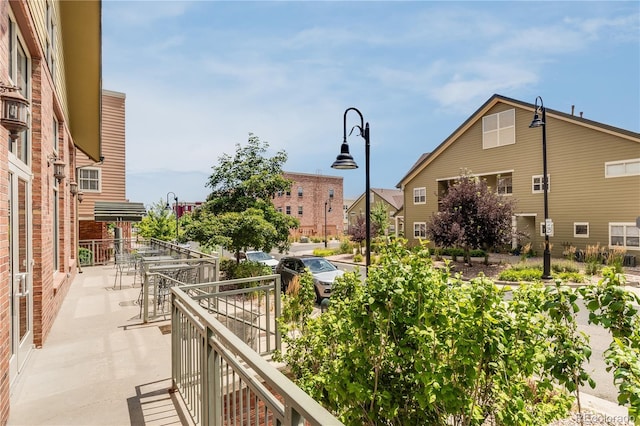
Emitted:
pixel 279 209
pixel 505 185
pixel 89 180
pixel 537 184
pixel 287 209
pixel 280 193
pixel 420 195
pixel 331 193
pixel 499 129
pixel 19 74
pixel 50 41
pixel 299 191
pixel 299 210
pixel 622 168
pixel 581 229
pixel 56 231
pixel 419 230
pixel 624 235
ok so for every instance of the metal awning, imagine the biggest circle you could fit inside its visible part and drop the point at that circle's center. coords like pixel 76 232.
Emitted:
pixel 107 211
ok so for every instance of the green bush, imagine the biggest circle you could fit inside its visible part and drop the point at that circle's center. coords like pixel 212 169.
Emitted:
pixel 232 270
pixel 85 256
pixel 357 257
pixel 346 247
pixel 564 266
pixel 324 252
pixel 413 345
pixel 521 274
pixel 458 252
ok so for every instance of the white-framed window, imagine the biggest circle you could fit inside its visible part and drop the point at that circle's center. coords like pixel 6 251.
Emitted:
pixel 537 184
pixel 50 40
pixel 19 67
pixel 625 235
pixel 622 168
pixel 89 179
pixel 499 129
pixel 300 191
pixel 581 229
pixel 505 185
pixel 299 210
pixel 280 209
pixel 287 210
pixel 331 193
pixel 279 193
pixel 419 230
pixel 420 195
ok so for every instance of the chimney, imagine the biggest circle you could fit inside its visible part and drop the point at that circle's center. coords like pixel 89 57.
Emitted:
pixel 573 108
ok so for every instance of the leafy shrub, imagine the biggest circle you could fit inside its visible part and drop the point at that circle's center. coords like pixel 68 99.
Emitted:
pixel 564 266
pixel 346 247
pixel 357 257
pixel 615 259
pixel 455 252
pixel 232 270
pixel 521 274
pixel 414 345
pixel 324 252
pixel 85 256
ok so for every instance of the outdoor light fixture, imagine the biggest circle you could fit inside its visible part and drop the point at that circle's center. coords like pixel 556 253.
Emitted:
pixel 73 188
pixel 58 167
pixel 15 110
pixel 80 196
pixel 540 120
pixel 168 206
pixel 345 161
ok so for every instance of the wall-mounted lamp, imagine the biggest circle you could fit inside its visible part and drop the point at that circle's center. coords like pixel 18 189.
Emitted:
pixel 80 196
pixel 15 110
pixel 73 188
pixel 58 167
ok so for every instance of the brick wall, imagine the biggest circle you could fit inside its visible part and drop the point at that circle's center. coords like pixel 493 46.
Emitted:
pixel 315 192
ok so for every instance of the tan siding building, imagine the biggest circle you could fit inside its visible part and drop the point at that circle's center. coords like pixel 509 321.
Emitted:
pixel 392 200
pixel 593 173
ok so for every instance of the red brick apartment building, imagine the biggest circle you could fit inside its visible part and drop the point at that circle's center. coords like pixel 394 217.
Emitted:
pixel 306 201
pixel 50 58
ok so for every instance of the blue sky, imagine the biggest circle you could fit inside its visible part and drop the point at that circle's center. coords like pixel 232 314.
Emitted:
pixel 200 76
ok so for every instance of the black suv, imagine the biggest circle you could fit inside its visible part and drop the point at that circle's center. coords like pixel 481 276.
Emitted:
pixel 323 271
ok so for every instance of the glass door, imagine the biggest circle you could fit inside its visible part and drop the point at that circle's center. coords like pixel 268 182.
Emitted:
pixel 20 255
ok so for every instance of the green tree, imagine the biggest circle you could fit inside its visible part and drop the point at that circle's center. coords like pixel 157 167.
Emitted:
pixel 471 216
pixel 379 219
pixel 159 223
pixel 239 213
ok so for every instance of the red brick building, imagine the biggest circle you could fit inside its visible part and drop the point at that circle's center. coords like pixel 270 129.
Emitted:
pixel 313 199
pixel 50 56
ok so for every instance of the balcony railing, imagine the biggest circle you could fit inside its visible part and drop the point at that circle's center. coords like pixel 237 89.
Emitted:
pixel 220 333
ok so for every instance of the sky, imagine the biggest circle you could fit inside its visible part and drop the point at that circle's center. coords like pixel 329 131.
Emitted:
pixel 200 77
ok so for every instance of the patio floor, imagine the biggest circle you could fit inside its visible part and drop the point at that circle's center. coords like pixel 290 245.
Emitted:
pixel 100 365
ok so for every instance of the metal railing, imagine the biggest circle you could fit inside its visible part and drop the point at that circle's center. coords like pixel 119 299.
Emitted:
pixel 223 380
pixel 160 273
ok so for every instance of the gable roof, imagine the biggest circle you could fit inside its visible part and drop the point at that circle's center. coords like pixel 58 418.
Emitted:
pixel 394 197
pixel 427 158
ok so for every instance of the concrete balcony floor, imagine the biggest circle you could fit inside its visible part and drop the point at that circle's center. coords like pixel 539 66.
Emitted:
pixel 99 365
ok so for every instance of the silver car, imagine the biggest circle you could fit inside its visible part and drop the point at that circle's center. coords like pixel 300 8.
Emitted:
pixel 324 273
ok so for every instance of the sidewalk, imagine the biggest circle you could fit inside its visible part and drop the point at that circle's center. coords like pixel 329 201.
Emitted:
pixel 99 365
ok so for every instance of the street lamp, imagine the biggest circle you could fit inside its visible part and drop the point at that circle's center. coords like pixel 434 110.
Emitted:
pixel 325 220
pixel 345 161
pixel 542 122
pixel 175 198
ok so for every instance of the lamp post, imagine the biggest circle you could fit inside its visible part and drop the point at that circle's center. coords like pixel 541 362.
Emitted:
pixel 345 161
pixel 542 122
pixel 168 206
pixel 328 202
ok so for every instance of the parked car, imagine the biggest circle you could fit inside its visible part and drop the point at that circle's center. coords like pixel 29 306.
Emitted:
pixel 260 257
pixel 324 273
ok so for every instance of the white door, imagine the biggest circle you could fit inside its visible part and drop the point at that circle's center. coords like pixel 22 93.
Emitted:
pixel 20 255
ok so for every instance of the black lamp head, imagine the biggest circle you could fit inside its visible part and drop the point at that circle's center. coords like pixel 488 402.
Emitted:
pixel 344 161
